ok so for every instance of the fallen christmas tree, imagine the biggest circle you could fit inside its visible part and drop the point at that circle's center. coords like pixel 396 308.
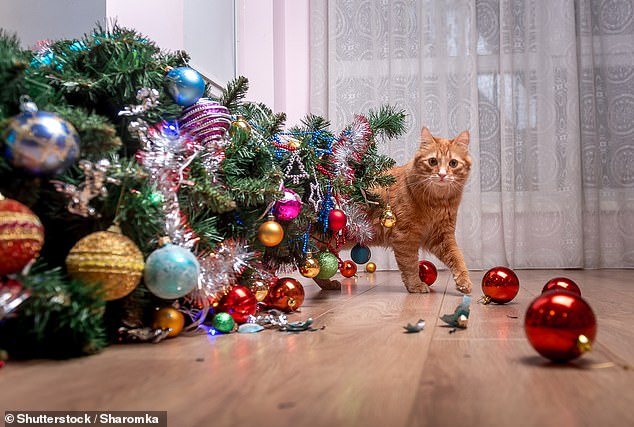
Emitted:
pixel 137 204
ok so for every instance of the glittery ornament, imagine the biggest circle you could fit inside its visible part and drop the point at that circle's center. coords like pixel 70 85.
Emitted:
pixel 348 269
pixel 329 264
pixel 240 125
pixel 287 294
pixel 270 232
pixel 427 272
pixel 295 170
pixel 108 258
pixel 171 272
pixel 41 143
pixel 185 85
pixel 310 266
pixel 21 236
pixel 206 121
pixel 360 254
pixel 388 217
pixel 561 284
pixel 239 302
pixel 223 322
pixel 560 325
pixel 169 318
pixel 499 285
pixel 336 219
pixel 370 267
pixel 288 207
pixel 260 289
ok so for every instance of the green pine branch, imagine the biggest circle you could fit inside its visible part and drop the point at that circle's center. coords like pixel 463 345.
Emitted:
pixel 387 121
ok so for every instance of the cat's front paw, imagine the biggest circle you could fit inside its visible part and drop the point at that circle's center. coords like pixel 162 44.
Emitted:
pixel 463 283
pixel 417 288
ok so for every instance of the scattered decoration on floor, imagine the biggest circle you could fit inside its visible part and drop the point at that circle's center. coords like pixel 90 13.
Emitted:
pixel 250 328
pixel 171 272
pixel 141 334
pixel 512 317
pixel 453 330
pixel 561 326
pixel 499 285
pixel 12 294
pixel 239 302
pixel 271 319
pixel 287 294
pixel 185 85
pixel 223 322
pixel 168 318
pixel 427 272
pixel 360 254
pixel 370 267
pixel 21 236
pixel 348 268
pixel 561 284
pixel 270 232
pixel 460 317
pixel 298 326
pixel 416 327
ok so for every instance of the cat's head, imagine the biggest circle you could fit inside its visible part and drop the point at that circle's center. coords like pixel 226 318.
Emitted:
pixel 442 165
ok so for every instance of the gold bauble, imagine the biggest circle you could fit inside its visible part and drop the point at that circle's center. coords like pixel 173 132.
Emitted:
pixel 294 143
pixel 388 217
pixel 370 267
pixel 240 124
pixel 271 232
pixel 108 258
pixel 310 267
pixel 260 289
pixel 169 318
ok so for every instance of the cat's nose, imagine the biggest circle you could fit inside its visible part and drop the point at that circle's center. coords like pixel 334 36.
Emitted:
pixel 442 174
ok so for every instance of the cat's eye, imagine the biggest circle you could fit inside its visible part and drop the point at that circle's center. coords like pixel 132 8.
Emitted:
pixel 433 161
pixel 453 163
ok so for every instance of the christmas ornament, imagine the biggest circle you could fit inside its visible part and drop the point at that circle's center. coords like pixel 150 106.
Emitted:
pixel 108 258
pixel 94 185
pixel 21 236
pixel 336 220
pixel 295 170
pixel 241 125
pixel 169 318
pixel 360 254
pixel 348 269
pixel 561 284
pixel 270 232
pixel 416 327
pixel 427 272
pixel 223 322
pixel 328 264
pixel 239 302
pixel 41 143
pixel 185 85
pixel 388 217
pixel 310 267
pixel 560 325
pixel 460 317
pixel 206 121
pixel 12 294
pixel 500 285
pixel 250 328
pixel 294 143
pixel 288 207
pixel 351 145
pixel 260 289
pixel 287 294
pixel 171 272
pixel 370 267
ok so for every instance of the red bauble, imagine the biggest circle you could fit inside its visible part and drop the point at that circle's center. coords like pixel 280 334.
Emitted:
pixel 239 302
pixel 287 294
pixel 561 284
pixel 500 285
pixel 560 325
pixel 348 268
pixel 21 236
pixel 336 219
pixel 427 272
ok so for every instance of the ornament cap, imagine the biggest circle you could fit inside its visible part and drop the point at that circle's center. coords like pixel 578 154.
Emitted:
pixel 485 300
pixel 115 228
pixel 164 240
pixel 584 344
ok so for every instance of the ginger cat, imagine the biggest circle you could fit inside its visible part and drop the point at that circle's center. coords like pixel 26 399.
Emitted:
pixel 425 199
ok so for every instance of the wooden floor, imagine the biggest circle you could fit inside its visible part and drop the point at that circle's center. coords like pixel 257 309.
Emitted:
pixel 362 369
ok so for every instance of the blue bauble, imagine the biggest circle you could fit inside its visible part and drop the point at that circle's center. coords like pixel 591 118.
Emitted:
pixel 360 254
pixel 41 143
pixel 185 85
pixel 171 272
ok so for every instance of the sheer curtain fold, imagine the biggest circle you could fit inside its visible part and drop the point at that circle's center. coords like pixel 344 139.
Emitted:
pixel 546 90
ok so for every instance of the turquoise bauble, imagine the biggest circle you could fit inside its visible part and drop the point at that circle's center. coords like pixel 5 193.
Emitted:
pixel 171 272
pixel 185 85
pixel 328 265
pixel 41 143
pixel 360 254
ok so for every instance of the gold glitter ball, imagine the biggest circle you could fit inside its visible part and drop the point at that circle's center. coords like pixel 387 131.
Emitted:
pixel 108 258
pixel 388 217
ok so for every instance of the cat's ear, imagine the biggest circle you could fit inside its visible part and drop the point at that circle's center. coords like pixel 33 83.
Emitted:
pixel 425 137
pixel 463 138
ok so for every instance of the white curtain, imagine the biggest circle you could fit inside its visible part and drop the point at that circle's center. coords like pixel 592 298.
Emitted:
pixel 546 89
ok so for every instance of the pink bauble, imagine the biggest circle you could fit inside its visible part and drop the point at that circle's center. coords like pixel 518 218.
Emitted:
pixel 206 121
pixel 288 207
